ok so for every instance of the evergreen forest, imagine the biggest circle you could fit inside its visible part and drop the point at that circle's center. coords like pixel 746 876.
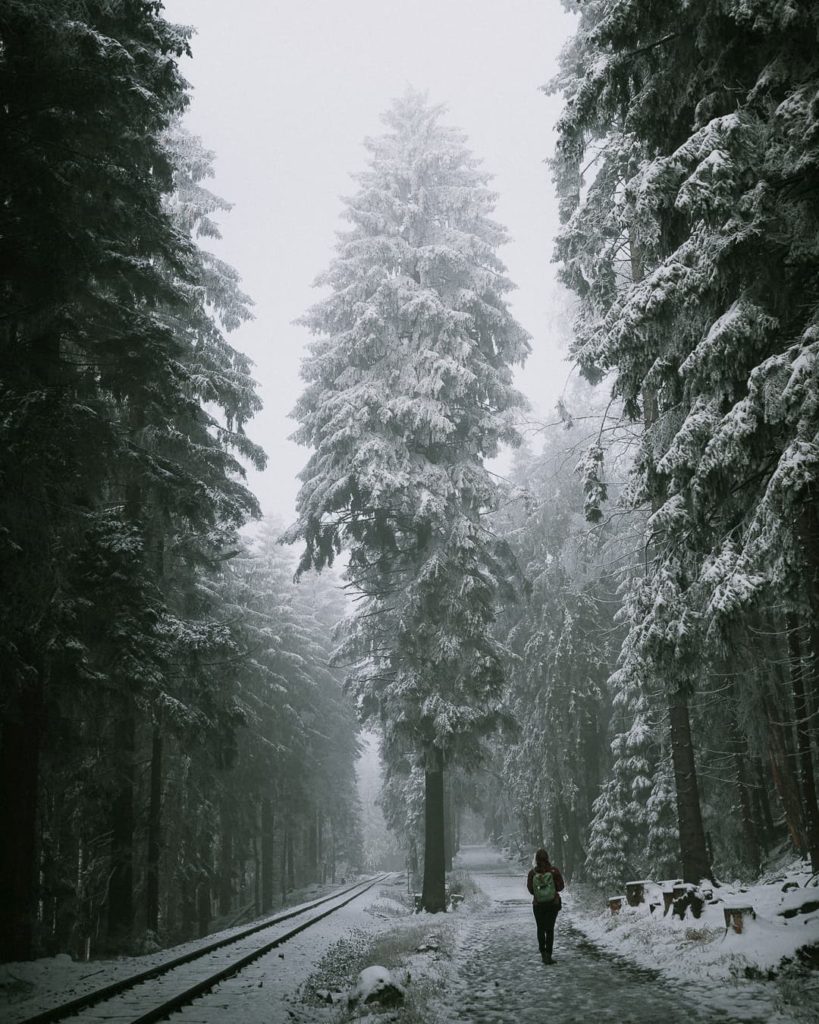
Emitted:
pixel 610 646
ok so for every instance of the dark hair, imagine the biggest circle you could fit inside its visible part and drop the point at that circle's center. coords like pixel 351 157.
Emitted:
pixel 542 857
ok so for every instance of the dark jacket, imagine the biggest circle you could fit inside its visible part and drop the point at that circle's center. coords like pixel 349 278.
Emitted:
pixel 559 883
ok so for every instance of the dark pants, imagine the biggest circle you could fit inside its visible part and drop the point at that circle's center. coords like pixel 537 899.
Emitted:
pixel 545 917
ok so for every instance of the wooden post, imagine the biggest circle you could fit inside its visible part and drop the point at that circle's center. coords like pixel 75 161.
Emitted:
pixel 668 899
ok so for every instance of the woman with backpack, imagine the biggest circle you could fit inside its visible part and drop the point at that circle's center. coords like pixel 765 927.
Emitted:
pixel 545 883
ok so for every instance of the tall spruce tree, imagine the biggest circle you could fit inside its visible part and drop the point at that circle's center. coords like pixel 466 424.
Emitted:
pixel 409 389
pixel 86 90
pixel 122 409
pixel 693 248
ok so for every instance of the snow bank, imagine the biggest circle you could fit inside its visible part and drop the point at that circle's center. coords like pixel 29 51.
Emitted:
pixel 377 984
pixel 703 952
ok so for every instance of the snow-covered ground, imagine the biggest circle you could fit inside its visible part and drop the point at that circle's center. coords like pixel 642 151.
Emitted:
pixel 760 968
pixel 480 964
pixel 256 995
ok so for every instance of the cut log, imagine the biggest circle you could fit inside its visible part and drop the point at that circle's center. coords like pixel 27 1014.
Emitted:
pixel 616 904
pixel 636 892
pixel 735 917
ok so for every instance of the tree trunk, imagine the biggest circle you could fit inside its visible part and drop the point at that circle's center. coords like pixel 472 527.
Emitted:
pixel 693 850
pixel 809 536
pixel 66 902
pixel 257 875
pixel 203 889
pixel 784 779
pixel 433 894
pixel 283 861
pixel 188 906
pixel 413 859
pixel 448 826
pixel 121 880
pixel 749 829
pixel 154 834
pixel 537 836
pixel 291 860
pixel 20 740
pixel 267 854
pixel 739 748
pixel 203 906
pixel 763 804
pixel 310 861
pixel 225 856
pixel 800 707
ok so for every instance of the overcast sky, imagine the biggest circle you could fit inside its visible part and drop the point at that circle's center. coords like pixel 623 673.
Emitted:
pixel 285 92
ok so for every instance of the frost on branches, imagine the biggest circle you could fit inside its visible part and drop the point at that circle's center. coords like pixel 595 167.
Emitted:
pixel 688 163
pixel 408 390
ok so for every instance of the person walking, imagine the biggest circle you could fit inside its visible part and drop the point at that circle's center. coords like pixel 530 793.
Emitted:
pixel 545 883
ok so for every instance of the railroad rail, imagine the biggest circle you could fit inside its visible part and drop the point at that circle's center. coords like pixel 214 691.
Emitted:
pixel 183 978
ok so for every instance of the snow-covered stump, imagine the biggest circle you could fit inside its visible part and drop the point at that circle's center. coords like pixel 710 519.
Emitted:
pixel 686 897
pixel 376 985
pixel 636 892
pixel 736 918
pixel 616 904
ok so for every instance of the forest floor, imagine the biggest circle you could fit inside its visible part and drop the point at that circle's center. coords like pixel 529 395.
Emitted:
pixel 480 965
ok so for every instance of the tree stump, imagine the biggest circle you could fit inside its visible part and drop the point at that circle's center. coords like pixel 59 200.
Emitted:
pixel 735 917
pixel 636 892
pixel 615 904
pixel 685 897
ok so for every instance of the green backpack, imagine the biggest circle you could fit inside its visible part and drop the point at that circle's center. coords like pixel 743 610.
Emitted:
pixel 544 887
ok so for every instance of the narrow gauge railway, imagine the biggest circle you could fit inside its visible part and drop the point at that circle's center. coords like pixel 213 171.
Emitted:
pixel 153 994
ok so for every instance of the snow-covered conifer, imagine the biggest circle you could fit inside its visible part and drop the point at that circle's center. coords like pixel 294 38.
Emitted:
pixel 692 244
pixel 408 390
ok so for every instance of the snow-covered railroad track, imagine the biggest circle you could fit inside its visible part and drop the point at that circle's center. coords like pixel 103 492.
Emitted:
pixel 153 994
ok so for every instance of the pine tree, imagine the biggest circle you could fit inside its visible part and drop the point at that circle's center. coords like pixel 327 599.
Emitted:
pixel 112 457
pixel 87 90
pixel 694 252
pixel 408 390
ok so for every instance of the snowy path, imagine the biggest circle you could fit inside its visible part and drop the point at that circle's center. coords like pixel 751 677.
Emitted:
pixel 499 977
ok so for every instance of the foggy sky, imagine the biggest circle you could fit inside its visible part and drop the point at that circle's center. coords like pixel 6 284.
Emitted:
pixel 285 93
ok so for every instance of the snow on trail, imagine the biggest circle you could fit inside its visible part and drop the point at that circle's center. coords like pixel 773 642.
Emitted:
pixel 498 976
